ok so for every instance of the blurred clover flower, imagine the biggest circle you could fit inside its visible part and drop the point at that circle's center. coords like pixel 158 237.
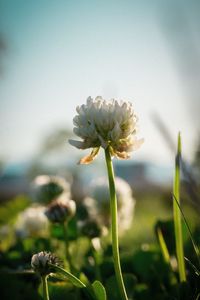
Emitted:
pixel 32 222
pixel 89 219
pixel 45 188
pixel 90 228
pixel 99 190
pixel 60 210
pixel 89 209
pixel 40 262
pixel 102 123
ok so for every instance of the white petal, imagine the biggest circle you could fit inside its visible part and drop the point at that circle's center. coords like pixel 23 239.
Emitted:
pixel 77 144
pixel 136 144
pixel 116 132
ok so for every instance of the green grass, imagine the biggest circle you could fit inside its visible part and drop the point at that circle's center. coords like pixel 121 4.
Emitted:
pixel 177 215
pixel 148 210
pixel 10 210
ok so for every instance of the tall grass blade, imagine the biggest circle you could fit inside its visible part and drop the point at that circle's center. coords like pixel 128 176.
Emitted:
pixel 198 297
pixel 177 215
pixel 163 246
pixel 197 272
pixel 196 249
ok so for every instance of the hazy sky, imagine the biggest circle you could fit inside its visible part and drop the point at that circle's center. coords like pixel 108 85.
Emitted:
pixel 61 52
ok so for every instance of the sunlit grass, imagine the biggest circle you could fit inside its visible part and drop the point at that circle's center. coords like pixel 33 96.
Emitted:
pixel 177 215
pixel 148 210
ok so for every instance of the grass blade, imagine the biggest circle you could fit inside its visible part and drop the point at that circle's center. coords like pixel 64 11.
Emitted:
pixel 163 246
pixel 73 279
pixel 198 297
pixel 99 290
pixel 196 249
pixel 197 272
pixel 177 215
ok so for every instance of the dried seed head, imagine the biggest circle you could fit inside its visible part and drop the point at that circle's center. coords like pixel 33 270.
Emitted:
pixel 40 262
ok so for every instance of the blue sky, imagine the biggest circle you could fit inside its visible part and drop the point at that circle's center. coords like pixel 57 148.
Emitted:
pixel 61 52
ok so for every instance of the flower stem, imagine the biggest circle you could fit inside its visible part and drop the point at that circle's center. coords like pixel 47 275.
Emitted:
pixel 45 287
pixel 67 253
pixel 114 225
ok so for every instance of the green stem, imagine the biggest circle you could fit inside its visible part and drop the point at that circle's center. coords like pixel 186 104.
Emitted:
pixel 96 263
pixel 66 240
pixel 114 225
pixel 45 287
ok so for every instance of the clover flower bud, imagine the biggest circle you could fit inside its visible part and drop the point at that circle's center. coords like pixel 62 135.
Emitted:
pixel 61 210
pixel 46 188
pixel 90 228
pixel 102 123
pixel 40 262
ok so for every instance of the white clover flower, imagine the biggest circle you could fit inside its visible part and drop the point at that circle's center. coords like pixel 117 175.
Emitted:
pixel 61 210
pixel 40 262
pixel 32 222
pixel 90 228
pixel 90 206
pixel 45 188
pixel 99 190
pixel 102 123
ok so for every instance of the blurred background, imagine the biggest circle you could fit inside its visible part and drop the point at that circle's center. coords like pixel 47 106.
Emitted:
pixel 54 54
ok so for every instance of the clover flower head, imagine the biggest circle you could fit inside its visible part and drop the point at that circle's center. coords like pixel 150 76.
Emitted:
pixel 40 262
pixel 102 123
pixel 45 188
pixel 90 207
pixel 61 210
pixel 90 228
pixel 32 222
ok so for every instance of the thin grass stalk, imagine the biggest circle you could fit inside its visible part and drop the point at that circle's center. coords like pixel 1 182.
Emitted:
pixel 177 216
pixel 198 297
pixel 163 246
pixel 114 226
pixel 197 272
pixel 196 249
